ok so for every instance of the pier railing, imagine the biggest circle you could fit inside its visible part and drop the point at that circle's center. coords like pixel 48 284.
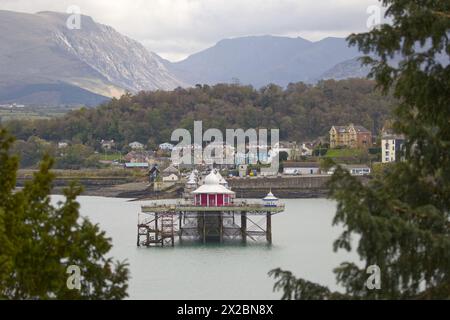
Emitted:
pixel 239 205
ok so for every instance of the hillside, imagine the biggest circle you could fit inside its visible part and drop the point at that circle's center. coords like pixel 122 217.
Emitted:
pixel 301 112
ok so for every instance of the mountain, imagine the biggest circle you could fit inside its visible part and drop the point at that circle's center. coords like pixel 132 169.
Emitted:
pixel 44 62
pixel 347 69
pixel 259 60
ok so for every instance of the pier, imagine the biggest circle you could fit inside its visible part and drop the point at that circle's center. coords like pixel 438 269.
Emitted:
pixel 164 225
pixel 211 215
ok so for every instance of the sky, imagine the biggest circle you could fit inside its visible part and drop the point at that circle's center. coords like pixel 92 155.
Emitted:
pixel 174 29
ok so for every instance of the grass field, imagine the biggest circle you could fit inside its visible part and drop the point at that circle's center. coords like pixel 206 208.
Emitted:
pixel 32 113
pixel 340 153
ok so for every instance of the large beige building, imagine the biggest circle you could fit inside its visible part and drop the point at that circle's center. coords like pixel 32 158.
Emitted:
pixel 350 136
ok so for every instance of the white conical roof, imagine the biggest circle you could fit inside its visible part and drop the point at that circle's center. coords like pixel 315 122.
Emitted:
pixel 192 177
pixel 270 197
pixel 192 181
pixel 212 178
pixel 212 186
pixel 222 181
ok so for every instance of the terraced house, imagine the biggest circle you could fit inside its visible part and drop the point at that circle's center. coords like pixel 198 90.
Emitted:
pixel 350 136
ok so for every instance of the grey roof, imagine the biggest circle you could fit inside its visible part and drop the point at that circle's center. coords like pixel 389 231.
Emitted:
pixel 393 137
pixel 340 128
pixel 361 129
pixel 170 169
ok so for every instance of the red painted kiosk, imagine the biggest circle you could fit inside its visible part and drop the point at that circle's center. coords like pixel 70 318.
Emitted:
pixel 212 193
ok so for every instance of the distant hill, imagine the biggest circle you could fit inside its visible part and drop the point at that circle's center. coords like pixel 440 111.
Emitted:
pixel 42 61
pixel 260 60
pixel 347 69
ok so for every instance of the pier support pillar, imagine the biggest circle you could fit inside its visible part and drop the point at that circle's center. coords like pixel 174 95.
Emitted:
pixel 156 227
pixel 269 227
pixel 180 229
pixel 244 227
pixel 204 228
pixel 220 227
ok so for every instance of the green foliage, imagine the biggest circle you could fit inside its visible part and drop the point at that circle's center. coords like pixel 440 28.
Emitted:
pixel 38 241
pixel 300 111
pixel 345 152
pixel 77 156
pixel 32 151
pixel 402 216
pixel 374 151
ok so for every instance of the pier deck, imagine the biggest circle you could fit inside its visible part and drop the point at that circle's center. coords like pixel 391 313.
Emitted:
pixel 161 224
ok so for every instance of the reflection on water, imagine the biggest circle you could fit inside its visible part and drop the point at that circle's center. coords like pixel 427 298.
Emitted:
pixel 302 242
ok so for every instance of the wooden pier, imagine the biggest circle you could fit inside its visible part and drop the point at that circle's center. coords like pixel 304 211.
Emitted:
pixel 166 224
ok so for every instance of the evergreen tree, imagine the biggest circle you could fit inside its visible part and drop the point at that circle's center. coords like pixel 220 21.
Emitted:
pixel 39 241
pixel 402 216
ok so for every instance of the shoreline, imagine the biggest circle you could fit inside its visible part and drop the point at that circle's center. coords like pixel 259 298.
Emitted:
pixel 286 187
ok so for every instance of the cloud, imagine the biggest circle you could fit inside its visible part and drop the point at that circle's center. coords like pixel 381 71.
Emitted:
pixel 177 28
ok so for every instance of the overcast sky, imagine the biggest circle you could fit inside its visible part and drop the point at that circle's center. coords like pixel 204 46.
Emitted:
pixel 176 28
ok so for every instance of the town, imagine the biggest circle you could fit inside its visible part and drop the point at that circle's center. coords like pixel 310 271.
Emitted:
pixel 304 167
pixel 354 147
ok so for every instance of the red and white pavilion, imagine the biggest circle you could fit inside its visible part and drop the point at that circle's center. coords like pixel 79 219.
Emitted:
pixel 212 193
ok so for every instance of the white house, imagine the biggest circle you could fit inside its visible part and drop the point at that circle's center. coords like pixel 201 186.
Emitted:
pixel 136 145
pixel 357 169
pixel 170 178
pixel 107 144
pixel 354 169
pixel 242 170
pixel 301 168
pixel 166 146
pixel 62 145
pixel 390 148
pixel 307 150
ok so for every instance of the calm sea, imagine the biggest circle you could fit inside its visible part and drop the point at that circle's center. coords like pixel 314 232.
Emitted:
pixel 302 243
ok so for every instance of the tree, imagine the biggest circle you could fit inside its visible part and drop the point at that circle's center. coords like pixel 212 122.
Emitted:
pixel 402 215
pixel 32 151
pixel 38 241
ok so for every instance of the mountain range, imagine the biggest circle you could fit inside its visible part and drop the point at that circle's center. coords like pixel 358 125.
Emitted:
pixel 44 62
pixel 260 60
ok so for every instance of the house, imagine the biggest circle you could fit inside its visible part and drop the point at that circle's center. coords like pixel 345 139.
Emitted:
pixel 62 145
pixel 307 149
pixel 171 178
pixel 290 148
pixel 242 170
pixel 170 174
pixel 391 146
pixel 140 156
pixel 107 144
pixel 166 146
pixel 136 165
pixel 354 169
pixel 170 170
pixel 136 145
pixel 350 136
pixel 357 169
pixel 301 168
